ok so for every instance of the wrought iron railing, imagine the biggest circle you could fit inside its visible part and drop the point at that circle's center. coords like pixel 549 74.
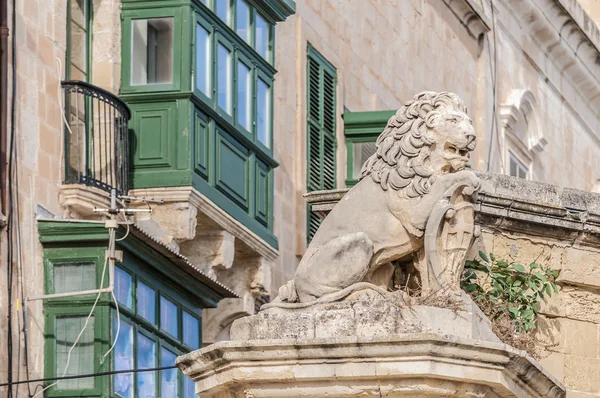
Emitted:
pixel 96 140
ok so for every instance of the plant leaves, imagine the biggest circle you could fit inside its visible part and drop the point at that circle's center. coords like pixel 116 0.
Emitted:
pixel 484 256
pixel 518 267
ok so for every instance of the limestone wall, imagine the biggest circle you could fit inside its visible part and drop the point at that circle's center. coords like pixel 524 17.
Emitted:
pixel 385 51
pixel 41 41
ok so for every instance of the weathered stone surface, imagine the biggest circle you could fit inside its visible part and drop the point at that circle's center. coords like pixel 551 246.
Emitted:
pixel 414 365
pixel 582 373
pixel 581 267
pixel 366 313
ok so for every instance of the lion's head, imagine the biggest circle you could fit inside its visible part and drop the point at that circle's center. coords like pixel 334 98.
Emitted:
pixel 429 136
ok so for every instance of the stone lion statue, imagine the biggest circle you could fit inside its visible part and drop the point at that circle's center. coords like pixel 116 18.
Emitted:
pixel 419 157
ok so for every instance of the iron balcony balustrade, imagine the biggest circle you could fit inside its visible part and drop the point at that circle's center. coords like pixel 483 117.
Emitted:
pixel 97 137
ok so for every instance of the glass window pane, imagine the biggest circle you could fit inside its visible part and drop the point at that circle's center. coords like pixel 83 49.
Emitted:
pixel 189 388
pixel 262 36
pixel 74 277
pixel 263 112
pixel 146 357
pixel 78 40
pixel 224 77
pixel 123 287
pixel 242 20
pixel 168 316
pixel 203 60
pixel 146 302
pixel 168 378
pixel 222 10
pixel 191 331
pixel 361 151
pixel 244 96
pixel 152 51
pixel 123 382
pixel 82 356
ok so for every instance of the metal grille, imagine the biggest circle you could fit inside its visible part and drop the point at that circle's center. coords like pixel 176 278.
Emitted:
pixel 96 141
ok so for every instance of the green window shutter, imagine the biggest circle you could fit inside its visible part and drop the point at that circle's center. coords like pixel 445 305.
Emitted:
pixel 321 118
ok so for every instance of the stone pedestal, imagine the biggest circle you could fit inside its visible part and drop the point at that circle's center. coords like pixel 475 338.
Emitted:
pixel 368 345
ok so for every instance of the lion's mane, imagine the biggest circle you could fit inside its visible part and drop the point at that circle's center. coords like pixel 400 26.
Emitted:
pixel 400 161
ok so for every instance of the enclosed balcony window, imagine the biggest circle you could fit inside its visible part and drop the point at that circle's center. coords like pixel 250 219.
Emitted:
pixel 263 112
pixel 203 60
pixel 263 36
pixel 244 96
pixel 242 20
pixel 152 51
pixel 224 78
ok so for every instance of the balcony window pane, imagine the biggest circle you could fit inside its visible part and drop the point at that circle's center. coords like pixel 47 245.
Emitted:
pixel 224 78
pixel 242 20
pixel 123 382
pixel 191 329
pixel 203 60
pixel 168 378
pixel 146 302
pixel 74 277
pixel 243 96
pixel 146 357
pixel 168 316
pixel 263 33
pixel 263 112
pixel 82 356
pixel 222 10
pixel 123 287
pixel 361 151
pixel 152 51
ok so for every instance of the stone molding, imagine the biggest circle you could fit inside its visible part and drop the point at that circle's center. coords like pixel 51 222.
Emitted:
pixel 471 16
pixel 215 213
pixel 417 363
pixel 570 40
pixel 82 200
pixel 518 205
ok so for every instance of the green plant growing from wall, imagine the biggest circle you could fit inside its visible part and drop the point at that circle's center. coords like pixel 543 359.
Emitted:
pixel 508 292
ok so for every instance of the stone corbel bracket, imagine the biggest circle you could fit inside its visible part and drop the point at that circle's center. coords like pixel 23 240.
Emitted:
pixel 471 16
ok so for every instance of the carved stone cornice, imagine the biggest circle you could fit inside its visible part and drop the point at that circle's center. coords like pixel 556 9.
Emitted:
pixel 213 212
pixel 471 16
pixel 517 205
pixel 570 40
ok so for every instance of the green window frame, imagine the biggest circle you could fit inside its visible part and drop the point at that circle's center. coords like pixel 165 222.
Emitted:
pixel 156 332
pixel 259 71
pixel 72 71
pixel 359 128
pixel 320 129
pixel 127 49
pixel 232 24
pixel 68 242
pixel 78 306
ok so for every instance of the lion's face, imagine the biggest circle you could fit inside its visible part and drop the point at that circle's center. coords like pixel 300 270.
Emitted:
pixel 455 138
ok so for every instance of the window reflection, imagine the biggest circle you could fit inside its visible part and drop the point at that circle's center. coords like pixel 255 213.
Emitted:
pixel 243 96
pixel 242 20
pixel 168 380
pixel 123 287
pixel 191 329
pixel 123 382
pixel 224 78
pixel 262 112
pixel 146 302
pixel 168 316
pixel 203 60
pixel 146 357
pixel 262 36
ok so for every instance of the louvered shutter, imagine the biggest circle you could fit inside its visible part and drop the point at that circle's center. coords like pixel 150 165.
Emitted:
pixel 321 142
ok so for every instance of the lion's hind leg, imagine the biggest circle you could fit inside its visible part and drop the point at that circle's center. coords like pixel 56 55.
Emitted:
pixel 334 266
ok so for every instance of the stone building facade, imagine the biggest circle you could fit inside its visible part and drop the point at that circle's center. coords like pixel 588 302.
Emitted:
pixel 526 70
